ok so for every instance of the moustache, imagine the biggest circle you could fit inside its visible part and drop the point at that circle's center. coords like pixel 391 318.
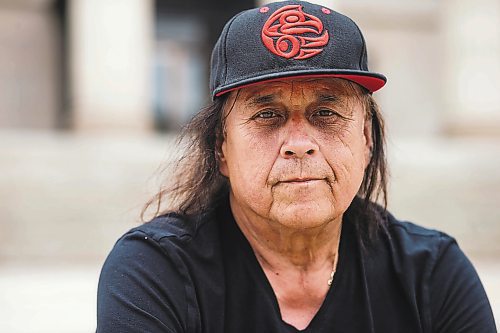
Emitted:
pixel 294 173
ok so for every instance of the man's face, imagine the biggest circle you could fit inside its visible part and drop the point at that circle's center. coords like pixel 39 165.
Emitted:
pixel 295 151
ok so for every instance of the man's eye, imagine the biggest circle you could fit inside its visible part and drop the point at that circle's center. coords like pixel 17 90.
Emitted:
pixel 325 113
pixel 266 115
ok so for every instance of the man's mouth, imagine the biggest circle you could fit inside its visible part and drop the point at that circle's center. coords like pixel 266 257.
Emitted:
pixel 301 180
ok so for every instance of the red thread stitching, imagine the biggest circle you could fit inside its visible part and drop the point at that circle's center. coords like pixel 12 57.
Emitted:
pixel 284 33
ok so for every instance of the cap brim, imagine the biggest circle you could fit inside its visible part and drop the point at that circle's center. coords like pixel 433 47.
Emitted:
pixel 371 81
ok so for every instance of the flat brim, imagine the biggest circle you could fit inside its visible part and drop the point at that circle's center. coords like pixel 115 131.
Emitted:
pixel 369 80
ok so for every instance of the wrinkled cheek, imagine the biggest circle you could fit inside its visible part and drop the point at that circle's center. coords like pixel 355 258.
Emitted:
pixel 358 173
pixel 348 179
pixel 249 184
pixel 345 193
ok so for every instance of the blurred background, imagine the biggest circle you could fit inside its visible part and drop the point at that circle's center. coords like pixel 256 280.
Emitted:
pixel 93 92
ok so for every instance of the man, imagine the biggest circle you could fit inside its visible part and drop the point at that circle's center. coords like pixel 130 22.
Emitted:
pixel 271 224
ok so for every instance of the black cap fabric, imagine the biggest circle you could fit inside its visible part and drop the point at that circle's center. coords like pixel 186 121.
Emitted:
pixel 289 39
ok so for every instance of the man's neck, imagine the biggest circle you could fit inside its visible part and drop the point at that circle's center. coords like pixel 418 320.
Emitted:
pixel 278 247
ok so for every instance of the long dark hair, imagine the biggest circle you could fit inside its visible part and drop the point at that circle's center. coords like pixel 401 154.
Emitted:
pixel 198 186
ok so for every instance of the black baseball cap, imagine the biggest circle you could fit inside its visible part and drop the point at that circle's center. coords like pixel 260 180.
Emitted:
pixel 289 39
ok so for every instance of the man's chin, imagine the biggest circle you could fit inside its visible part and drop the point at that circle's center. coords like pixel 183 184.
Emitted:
pixel 315 195
pixel 303 216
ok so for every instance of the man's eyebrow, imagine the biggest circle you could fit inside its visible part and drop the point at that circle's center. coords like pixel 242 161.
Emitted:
pixel 328 98
pixel 259 100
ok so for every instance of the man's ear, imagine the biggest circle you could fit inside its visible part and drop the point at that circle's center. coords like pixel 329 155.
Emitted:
pixel 222 137
pixel 221 156
pixel 367 133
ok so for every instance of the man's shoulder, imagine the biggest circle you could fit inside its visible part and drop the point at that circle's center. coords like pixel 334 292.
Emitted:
pixel 178 228
pixel 409 243
pixel 155 267
pixel 413 234
pixel 178 239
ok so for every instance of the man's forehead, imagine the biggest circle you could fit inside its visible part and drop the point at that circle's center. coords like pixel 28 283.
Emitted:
pixel 309 88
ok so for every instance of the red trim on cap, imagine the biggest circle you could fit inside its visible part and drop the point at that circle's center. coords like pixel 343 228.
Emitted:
pixel 369 82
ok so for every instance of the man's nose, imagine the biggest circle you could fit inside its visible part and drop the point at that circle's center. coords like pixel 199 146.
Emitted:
pixel 298 143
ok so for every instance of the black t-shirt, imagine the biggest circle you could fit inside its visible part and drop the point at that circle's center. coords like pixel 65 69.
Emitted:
pixel 201 275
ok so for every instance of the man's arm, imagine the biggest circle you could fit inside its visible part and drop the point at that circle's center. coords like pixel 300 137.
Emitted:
pixel 458 300
pixel 140 289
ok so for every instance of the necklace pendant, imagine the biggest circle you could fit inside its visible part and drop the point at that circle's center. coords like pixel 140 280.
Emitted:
pixel 330 280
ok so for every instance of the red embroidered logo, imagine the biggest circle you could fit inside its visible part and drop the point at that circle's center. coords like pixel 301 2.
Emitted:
pixel 291 33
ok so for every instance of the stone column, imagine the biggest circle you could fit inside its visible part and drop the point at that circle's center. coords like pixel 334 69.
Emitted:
pixel 472 65
pixel 110 49
pixel 29 65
